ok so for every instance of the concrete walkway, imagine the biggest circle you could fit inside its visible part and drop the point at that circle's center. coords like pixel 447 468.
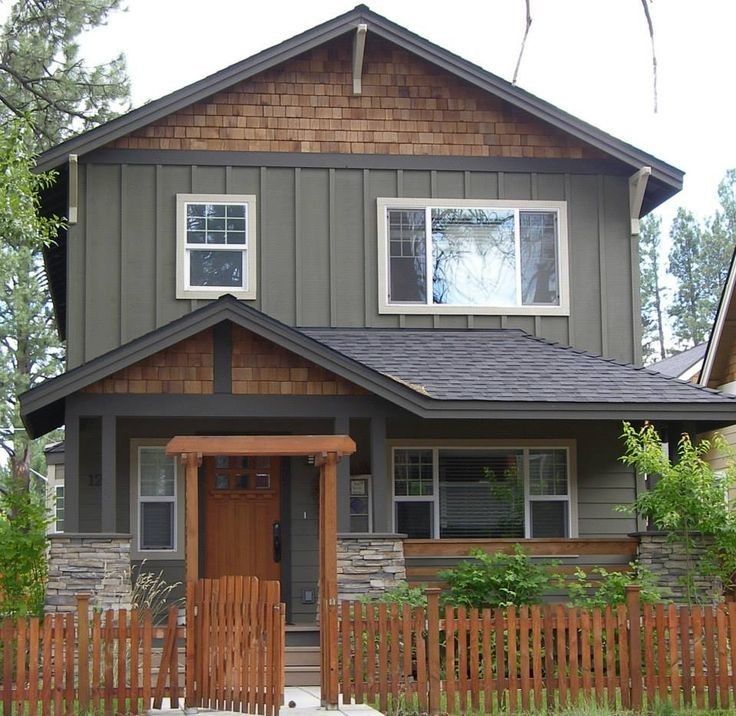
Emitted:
pixel 304 698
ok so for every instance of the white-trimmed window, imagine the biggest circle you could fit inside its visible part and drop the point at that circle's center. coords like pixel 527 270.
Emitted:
pixel 483 492
pixel 157 496
pixel 59 508
pixel 472 256
pixel 216 245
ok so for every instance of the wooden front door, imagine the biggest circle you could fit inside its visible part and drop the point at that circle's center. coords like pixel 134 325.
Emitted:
pixel 242 516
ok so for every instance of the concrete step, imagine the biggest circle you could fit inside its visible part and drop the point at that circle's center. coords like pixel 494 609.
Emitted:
pixel 301 675
pixel 301 656
pixel 302 635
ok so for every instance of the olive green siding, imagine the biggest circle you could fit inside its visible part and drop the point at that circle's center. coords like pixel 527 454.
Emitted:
pixel 317 249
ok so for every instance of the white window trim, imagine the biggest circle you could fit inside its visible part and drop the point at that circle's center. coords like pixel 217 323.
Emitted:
pixel 183 290
pixel 570 446
pixel 59 486
pixel 385 203
pixel 135 501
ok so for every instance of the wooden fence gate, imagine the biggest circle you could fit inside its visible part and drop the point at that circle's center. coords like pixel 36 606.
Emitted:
pixel 235 645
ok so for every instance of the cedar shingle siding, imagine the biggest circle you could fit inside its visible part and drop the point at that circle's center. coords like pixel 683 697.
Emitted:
pixel 258 368
pixel 261 368
pixel 183 368
pixel 408 107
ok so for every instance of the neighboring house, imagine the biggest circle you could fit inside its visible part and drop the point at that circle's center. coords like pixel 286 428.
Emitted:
pixel 685 365
pixel 719 362
pixel 354 232
pixel 54 453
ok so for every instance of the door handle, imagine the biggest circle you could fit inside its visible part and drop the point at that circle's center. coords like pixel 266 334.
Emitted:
pixel 276 541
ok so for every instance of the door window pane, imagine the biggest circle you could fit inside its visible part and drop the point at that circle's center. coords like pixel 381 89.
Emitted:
pixel 414 519
pixel 407 256
pixel 157 525
pixel 157 473
pixel 216 268
pixel 549 518
pixel 538 240
pixel 474 257
pixel 481 493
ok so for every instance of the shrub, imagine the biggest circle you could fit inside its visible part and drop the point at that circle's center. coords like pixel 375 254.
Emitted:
pixel 23 520
pixel 497 580
pixel 610 587
pixel 401 594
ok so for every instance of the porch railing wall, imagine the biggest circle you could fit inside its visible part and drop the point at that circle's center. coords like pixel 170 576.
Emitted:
pixel 459 660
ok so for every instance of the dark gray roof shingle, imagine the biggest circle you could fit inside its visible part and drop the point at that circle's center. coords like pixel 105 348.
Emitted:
pixel 676 365
pixel 504 365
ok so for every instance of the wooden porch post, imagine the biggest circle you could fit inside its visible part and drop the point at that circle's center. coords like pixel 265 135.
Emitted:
pixel 328 579
pixel 192 461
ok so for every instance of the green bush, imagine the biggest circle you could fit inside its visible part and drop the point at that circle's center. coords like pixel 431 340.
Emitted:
pixel 497 580
pixel 610 588
pixel 401 594
pixel 23 520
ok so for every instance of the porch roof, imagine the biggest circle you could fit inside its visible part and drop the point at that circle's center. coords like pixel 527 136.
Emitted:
pixel 468 373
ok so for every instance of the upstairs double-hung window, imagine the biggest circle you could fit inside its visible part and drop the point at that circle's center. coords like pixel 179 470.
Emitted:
pixel 463 256
pixel 216 245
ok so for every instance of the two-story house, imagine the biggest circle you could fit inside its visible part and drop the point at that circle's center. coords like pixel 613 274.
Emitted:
pixel 359 233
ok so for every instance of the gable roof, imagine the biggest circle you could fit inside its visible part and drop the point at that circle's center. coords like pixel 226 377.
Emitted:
pixel 682 365
pixel 665 181
pixel 502 373
pixel 726 314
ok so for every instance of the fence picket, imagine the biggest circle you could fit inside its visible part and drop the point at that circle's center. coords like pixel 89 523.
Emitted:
pixel 623 657
pixel 96 660
pixel 598 656
pixel 147 648
pixel 20 661
pixel 358 669
pixel 659 621
pixel 711 667
pixel 395 655
pixel 450 680
pixel 383 659
pixel 537 655
pixel 524 656
pixel 561 660
pixel 649 670
pixel 462 659
pixel 722 657
pixel 474 660
pixel 574 661
pixel 696 622
pixel 419 622
pixel 47 665
pixel 675 665
pixel 486 628
pixel 58 663
pixel 33 664
pixel 121 642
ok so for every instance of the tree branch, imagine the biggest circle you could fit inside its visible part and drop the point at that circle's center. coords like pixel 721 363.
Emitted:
pixel 523 41
pixel 650 25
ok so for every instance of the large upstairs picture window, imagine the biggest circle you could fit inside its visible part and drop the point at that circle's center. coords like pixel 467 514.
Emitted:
pixel 470 256
pixel 216 245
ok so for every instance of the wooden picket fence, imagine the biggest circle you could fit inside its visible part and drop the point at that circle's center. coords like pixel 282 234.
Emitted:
pixel 541 657
pixel 235 645
pixel 110 662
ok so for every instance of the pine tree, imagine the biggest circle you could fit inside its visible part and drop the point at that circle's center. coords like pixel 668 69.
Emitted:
pixel 652 291
pixel 43 77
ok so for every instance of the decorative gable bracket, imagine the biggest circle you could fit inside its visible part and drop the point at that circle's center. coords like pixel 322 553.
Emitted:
pixel 637 188
pixel 358 52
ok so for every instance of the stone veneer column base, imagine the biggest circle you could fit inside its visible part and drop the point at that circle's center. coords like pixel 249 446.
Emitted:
pixel 668 561
pixel 369 564
pixel 94 564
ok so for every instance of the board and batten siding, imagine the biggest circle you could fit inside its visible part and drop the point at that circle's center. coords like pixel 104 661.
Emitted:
pixel 317 250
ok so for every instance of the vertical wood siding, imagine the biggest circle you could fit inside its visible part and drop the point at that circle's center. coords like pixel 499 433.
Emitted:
pixel 317 250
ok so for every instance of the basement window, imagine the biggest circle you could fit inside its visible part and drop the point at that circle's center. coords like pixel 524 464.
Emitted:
pixel 472 256
pixel 216 245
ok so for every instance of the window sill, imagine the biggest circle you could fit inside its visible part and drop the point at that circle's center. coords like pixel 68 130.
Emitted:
pixel 398 309
pixel 193 293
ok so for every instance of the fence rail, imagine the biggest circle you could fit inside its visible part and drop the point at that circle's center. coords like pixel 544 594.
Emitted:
pixel 112 662
pixel 456 660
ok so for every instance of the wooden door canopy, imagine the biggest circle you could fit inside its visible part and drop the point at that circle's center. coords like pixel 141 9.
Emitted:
pixel 272 445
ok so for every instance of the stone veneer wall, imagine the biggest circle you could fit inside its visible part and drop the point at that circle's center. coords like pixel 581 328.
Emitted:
pixel 369 564
pixel 669 563
pixel 94 564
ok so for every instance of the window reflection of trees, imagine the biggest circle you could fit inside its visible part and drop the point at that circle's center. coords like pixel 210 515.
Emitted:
pixel 473 254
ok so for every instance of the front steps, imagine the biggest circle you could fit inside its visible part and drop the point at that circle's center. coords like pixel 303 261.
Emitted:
pixel 302 655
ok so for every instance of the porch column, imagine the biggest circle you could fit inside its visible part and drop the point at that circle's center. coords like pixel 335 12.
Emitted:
pixel 71 473
pixel 109 483
pixel 191 461
pixel 342 427
pixel 382 519
pixel 328 578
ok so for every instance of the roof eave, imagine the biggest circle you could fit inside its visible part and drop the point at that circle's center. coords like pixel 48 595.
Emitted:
pixel 667 179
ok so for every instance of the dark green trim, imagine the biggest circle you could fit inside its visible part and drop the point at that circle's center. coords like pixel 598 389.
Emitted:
pixel 355 161
pixel 382 27
pixel 222 358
